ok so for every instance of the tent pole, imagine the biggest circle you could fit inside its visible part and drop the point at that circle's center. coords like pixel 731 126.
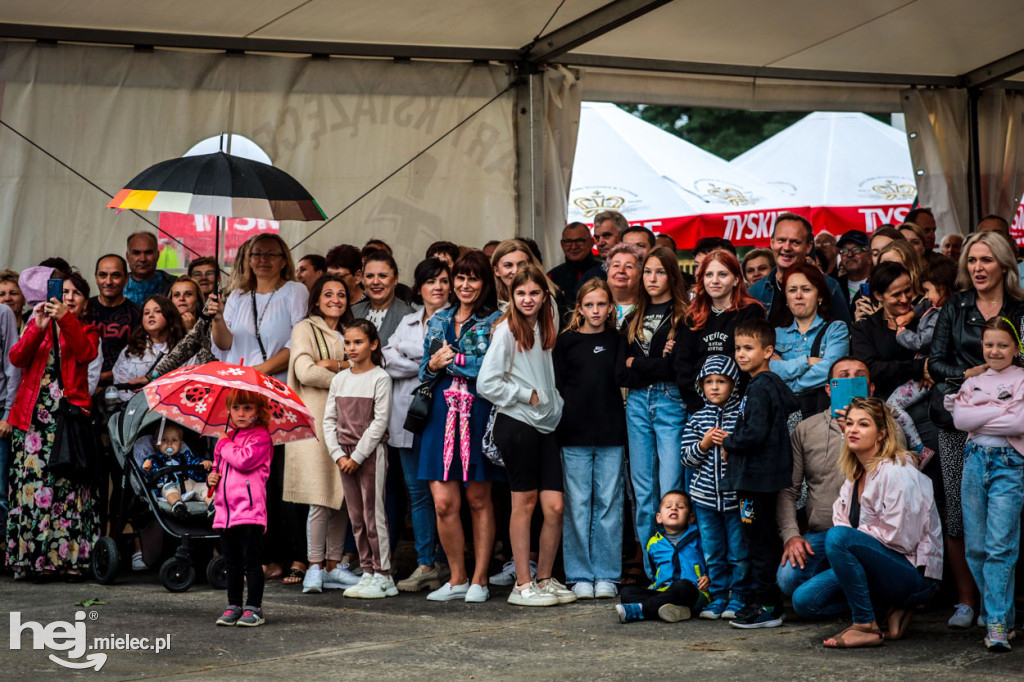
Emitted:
pixel 974 200
pixel 529 122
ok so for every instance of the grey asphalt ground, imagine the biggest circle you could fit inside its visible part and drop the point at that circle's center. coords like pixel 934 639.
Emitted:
pixel 325 636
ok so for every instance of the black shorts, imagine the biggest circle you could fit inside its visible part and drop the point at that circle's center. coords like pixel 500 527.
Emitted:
pixel 532 459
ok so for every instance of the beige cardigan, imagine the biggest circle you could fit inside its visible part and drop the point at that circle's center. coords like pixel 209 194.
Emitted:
pixel 310 475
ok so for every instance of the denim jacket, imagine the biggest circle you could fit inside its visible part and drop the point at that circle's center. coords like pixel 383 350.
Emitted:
pixel 795 347
pixel 470 347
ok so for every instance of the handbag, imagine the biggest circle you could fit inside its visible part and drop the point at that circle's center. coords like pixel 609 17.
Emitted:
pixel 489 447
pixel 422 398
pixel 937 412
pixel 419 409
pixel 75 447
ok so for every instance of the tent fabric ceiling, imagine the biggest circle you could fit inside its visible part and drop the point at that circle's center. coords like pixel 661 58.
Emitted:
pixel 913 40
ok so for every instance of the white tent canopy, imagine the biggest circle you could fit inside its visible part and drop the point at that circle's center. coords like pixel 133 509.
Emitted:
pixel 464 113
pixel 852 170
pixel 657 179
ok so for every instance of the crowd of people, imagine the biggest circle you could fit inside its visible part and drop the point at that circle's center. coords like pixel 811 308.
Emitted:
pixel 697 445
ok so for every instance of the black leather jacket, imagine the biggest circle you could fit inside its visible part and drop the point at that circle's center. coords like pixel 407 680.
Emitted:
pixel 956 345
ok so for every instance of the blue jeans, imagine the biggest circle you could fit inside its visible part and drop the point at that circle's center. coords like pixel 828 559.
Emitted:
pixel 872 576
pixel 421 502
pixel 655 417
pixel 815 590
pixel 992 493
pixel 725 553
pixel 790 578
pixel 5 471
pixel 592 529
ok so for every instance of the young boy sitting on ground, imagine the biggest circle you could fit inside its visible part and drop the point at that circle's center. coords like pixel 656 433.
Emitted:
pixel 680 580
pixel 171 450
pixel 760 465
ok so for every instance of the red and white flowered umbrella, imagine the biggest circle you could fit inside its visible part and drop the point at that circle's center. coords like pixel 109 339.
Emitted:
pixel 194 396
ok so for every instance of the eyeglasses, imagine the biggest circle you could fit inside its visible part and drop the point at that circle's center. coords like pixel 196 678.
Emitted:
pixel 576 242
pixel 853 251
pixel 255 255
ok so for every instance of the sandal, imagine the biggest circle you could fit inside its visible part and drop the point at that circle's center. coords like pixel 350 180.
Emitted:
pixel 295 576
pixel 272 571
pixel 872 629
pixel 905 616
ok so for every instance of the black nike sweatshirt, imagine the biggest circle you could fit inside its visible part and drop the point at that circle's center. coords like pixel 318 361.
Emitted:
pixel 585 375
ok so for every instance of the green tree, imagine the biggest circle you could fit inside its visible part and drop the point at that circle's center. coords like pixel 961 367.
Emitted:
pixel 724 132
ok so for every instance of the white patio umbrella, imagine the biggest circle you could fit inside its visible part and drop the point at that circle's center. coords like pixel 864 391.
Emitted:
pixel 665 183
pixel 852 170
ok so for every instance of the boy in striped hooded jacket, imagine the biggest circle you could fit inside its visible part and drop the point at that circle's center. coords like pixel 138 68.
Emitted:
pixel 718 517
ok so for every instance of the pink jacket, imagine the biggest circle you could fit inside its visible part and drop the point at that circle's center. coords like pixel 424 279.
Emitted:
pixel 243 461
pixel 991 404
pixel 897 509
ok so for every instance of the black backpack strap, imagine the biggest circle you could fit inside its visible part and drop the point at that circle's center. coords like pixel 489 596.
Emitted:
pixel 816 346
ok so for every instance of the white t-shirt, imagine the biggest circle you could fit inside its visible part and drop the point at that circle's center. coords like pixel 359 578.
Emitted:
pixel 277 311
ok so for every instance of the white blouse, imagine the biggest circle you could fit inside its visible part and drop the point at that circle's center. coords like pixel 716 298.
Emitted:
pixel 278 311
pixel 131 367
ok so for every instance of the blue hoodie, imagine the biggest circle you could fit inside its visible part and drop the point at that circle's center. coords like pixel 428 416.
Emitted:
pixel 706 488
pixel 682 561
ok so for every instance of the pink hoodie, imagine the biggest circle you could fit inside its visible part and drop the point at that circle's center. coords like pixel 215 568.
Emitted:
pixel 243 460
pixel 991 404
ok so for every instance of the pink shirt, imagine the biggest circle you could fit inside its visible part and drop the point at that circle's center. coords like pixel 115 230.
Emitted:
pixel 897 508
pixel 991 404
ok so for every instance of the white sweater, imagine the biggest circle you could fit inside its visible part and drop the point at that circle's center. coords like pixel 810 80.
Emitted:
pixel 508 377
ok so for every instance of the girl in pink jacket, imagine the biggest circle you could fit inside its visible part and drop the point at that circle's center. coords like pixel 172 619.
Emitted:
pixel 990 408
pixel 241 467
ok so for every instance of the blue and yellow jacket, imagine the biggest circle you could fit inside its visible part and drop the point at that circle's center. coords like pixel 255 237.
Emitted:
pixel 683 561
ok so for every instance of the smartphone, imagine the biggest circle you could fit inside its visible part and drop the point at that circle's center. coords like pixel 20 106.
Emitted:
pixel 865 290
pixel 845 390
pixel 55 289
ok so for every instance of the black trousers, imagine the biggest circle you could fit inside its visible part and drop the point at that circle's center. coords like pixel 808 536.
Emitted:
pixel 680 593
pixel 241 547
pixel 761 532
pixel 286 521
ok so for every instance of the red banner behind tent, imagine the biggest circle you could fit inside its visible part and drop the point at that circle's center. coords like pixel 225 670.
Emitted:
pixel 199 231
pixel 754 228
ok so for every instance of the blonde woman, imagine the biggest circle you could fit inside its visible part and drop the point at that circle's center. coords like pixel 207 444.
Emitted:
pixel 509 256
pixel 885 546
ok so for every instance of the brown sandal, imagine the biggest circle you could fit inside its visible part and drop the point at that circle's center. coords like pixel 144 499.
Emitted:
pixel 841 640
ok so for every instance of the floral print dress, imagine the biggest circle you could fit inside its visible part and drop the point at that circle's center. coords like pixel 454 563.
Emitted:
pixel 53 522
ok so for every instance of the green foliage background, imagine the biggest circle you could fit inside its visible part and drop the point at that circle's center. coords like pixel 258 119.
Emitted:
pixel 724 132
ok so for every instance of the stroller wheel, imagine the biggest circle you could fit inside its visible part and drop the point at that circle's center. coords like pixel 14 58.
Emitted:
pixel 106 559
pixel 177 574
pixel 217 573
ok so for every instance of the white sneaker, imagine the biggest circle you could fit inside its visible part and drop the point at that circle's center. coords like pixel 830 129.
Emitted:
pixel 314 581
pixel 507 576
pixel 339 577
pixel 449 592
pixel 584 590
pixel 605 589
pixel 386 584
pixel 477 594
pixel 137 563
pixel 364 589
pixel 532 595
pixel 962 617
pixel 562 593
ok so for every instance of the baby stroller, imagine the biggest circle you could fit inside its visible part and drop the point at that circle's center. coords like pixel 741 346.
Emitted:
pixel 140 501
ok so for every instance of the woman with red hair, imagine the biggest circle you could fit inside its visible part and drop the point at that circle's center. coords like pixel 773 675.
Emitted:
pixel 720 302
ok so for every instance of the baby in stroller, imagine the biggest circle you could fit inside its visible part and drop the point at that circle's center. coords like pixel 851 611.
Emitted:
pixel 168 448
